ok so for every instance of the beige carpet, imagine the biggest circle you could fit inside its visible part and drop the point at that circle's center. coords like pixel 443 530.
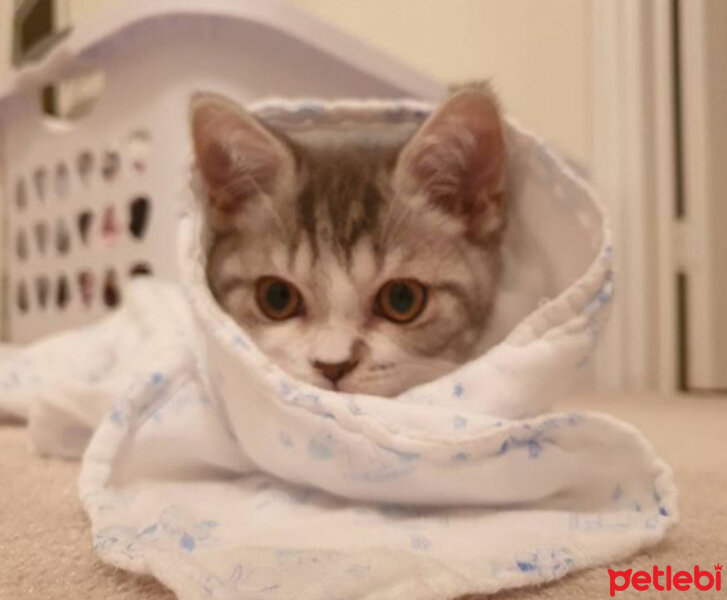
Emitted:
pixel 45 543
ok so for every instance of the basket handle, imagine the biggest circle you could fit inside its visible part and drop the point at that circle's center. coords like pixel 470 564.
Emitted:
pixel 58 66
pixel 57 63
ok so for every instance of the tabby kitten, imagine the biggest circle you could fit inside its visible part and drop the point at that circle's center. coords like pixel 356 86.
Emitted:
pixel 359 259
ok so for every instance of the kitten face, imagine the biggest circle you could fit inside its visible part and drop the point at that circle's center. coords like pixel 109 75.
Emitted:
pixel 357 266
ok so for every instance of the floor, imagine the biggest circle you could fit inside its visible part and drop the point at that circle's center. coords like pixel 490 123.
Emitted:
pixel 45 548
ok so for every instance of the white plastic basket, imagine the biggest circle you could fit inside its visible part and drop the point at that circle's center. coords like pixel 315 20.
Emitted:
pixel 89 204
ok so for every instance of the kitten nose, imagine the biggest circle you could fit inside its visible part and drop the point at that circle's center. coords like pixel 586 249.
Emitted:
pixel 335 371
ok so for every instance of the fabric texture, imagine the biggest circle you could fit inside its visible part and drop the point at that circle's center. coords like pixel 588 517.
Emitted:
pixel 45 536
pixel 223 477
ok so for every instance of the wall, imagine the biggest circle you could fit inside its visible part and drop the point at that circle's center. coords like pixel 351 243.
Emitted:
pixel 6 10
pixel 537 52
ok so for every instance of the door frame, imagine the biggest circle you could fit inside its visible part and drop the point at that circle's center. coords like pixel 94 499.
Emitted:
pixel 635 168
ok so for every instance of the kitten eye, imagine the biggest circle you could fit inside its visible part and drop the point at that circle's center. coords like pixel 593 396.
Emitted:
pixel 401 300
pixel 278 299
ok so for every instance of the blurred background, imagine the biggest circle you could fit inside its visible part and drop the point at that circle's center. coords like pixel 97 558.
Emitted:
pixel 632 92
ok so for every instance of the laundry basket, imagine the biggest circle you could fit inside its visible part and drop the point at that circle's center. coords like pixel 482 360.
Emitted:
pixel 88 204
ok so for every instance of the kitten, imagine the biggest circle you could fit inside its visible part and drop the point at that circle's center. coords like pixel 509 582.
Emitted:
pixel 360 259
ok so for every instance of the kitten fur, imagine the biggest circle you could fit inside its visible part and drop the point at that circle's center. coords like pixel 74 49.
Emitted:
pixel 340 210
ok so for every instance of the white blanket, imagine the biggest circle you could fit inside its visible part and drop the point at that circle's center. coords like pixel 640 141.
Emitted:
pixel 220 475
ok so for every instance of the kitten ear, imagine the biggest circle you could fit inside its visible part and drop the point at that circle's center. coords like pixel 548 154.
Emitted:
pixel 237 156
pixel 457 160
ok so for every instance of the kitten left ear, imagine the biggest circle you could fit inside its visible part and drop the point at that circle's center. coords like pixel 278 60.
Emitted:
pixel 457 160
pixel 238 157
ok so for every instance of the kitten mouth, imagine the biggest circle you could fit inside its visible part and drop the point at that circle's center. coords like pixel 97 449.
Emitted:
pixel 325 384
pixel 335 386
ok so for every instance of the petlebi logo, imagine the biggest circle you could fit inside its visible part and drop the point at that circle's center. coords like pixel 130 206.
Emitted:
pixel 666 580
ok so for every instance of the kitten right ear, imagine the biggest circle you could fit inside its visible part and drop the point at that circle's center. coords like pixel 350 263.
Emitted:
pixel 238 157
pixel 457 160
